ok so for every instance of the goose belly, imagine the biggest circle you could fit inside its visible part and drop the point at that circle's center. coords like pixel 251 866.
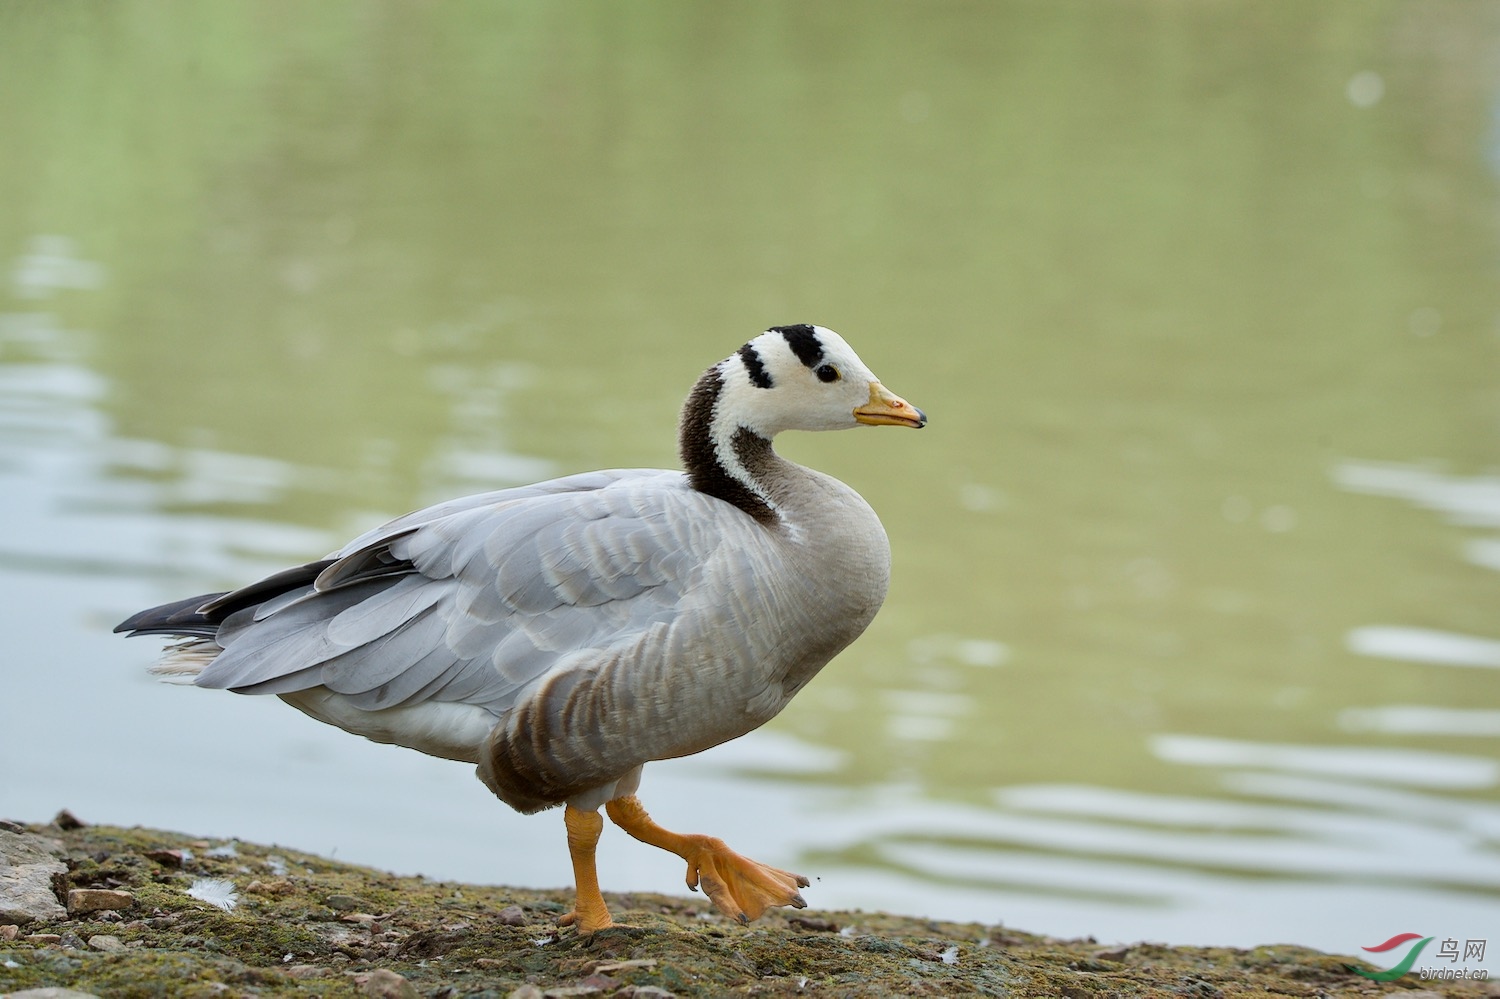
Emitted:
pixel 679 690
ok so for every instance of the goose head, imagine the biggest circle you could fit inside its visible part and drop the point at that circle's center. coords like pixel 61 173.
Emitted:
pixel 788 378
pixel 804 378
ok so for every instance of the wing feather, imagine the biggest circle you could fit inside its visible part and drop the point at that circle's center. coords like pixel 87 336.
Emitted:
pixel 292 640
pixel 381 614
pixel 478 599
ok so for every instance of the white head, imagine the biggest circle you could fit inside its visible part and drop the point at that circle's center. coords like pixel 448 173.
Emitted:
pixel 788 378
pixel 804 378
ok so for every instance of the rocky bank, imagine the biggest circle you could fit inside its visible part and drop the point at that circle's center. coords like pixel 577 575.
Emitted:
pixel 107 911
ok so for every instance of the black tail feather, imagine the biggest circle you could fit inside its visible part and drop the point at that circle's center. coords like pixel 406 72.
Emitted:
pixel 200 616
pixel 180 617
pixel 224 604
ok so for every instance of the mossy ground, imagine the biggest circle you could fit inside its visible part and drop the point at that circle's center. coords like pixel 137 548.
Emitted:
pixel 308 926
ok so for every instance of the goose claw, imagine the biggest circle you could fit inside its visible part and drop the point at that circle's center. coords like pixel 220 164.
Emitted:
pixel 740 888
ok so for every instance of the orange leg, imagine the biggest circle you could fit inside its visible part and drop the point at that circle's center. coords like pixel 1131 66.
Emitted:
pixel 739 887
pixel 589 911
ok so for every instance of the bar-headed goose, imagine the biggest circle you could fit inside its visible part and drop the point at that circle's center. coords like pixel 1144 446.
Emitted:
pixel 562 635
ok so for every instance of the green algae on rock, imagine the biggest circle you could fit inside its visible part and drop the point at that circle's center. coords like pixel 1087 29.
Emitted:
pixel 305 925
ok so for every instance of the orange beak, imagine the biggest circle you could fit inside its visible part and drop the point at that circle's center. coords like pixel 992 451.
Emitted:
pixel 887 409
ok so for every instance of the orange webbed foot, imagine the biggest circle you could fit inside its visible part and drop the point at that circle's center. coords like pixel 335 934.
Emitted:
pixel 587 922
pixel 739 887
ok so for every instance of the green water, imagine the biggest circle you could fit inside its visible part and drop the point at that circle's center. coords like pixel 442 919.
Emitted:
pixel 1200 298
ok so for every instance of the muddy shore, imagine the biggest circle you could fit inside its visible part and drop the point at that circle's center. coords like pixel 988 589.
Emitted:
pixel 112 915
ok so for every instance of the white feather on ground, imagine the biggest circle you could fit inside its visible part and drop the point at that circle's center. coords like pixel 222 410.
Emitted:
pixel 217 892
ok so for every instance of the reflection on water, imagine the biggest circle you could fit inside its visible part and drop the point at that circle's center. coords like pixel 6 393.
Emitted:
pixel 1400 719
pixel 1470 500
pixel 1173 642
pixel 1417 768
pixel 51 265
pixel 1424 645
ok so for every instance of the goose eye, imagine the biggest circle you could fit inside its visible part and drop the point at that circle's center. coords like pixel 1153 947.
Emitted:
pixel 827 373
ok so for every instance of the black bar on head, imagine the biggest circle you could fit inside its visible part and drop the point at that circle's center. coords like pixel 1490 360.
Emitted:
pixel 803 340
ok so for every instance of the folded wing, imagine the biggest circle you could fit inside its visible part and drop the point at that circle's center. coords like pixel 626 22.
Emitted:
pixel 474 600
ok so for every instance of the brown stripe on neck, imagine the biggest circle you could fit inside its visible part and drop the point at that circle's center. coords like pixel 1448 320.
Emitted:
pixel 700 452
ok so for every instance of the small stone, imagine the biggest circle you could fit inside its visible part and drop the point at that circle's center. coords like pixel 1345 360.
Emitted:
pixel 106 943
pixel 343 903
pixel 67 821
pixel 511 915
pixel 9 932
pixel 603 983
pixel 167 858
pixel 51 992
pixel 306 971
pixel 382 983
pixel 262 976
pixel 277 887
pixel 527 991
pixel 97 899
pixel 815 925
pixel 43 939
pixel 640 962
pixel 1112 953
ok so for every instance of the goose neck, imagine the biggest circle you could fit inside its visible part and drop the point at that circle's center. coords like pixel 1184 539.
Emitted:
pixel 726 459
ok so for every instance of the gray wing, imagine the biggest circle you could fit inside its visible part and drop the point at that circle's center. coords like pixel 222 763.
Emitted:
pixel 474 600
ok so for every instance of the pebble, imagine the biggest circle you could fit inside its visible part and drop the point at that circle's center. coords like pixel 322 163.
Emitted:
pixel 511 915
pixel 51 992
pixel 641 962
pixel 67 821
pixel 382 983
pixel 96 899
pixel 9 931
pixel 105 942
pixel 603 983
pixel 815 925
pixel 306 971
pixel 167 858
